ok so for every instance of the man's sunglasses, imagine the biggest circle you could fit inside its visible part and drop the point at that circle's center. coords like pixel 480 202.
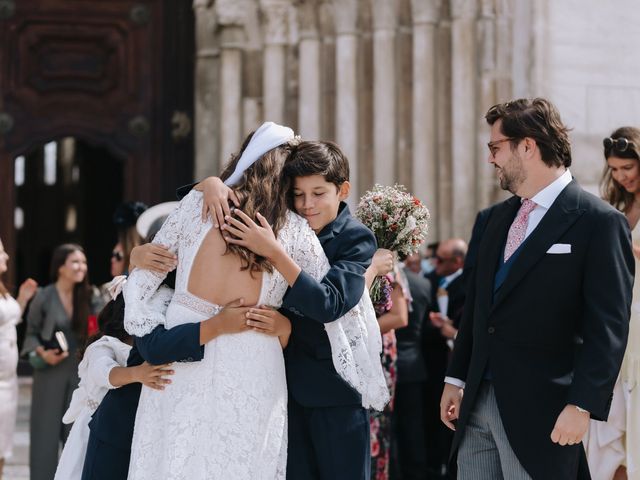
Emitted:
pixel 621 144
pixel 117 255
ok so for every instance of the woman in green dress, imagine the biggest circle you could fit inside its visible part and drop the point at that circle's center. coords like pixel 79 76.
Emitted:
pixel 63 306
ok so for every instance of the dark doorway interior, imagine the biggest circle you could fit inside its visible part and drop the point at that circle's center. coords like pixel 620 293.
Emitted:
pixel 67 191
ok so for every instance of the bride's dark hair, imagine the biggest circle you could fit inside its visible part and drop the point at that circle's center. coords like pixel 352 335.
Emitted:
pixel 263 189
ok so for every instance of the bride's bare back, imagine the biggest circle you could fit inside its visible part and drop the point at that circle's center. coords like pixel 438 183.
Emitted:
pixel 217 277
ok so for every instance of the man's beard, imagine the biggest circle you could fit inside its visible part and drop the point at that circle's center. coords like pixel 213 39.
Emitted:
pixel 513 174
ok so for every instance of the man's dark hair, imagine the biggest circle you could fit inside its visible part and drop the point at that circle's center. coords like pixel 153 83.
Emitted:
pixel 538 119
pixel 317 158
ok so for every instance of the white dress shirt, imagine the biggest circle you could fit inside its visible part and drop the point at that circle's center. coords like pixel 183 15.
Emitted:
pixel 543 200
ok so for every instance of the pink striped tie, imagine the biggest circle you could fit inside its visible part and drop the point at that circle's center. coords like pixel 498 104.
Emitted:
pixel 518 228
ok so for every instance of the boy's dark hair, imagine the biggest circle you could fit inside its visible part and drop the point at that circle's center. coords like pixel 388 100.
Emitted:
pixel 317 158
pixel 110 322
pixel 538 119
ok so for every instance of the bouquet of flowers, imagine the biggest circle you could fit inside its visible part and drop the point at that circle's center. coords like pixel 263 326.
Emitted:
pixel 398 220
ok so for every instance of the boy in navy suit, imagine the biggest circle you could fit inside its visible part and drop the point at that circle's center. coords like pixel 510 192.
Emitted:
pixel 328 427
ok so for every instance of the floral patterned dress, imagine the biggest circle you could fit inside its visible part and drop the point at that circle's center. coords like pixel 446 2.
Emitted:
pixel 381 431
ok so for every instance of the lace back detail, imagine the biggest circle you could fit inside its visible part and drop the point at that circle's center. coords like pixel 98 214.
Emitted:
pixel 196 304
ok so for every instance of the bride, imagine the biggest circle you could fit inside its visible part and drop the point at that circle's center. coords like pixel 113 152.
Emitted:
pixel 226 416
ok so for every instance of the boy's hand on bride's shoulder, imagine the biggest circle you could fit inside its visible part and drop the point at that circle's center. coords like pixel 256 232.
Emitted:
pixel 269 321
pixel 260 239
pixel 216 198
pixel 154 257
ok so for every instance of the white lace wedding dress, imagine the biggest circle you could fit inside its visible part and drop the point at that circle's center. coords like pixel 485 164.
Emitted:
pixel 224 417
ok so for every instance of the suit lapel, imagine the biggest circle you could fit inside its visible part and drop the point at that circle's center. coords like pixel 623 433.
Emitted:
pixel 491 247
pixel 562 214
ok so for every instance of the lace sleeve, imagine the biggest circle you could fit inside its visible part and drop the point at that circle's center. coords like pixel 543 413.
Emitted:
pixel 356 343
pixel 305 249
pixel 142 312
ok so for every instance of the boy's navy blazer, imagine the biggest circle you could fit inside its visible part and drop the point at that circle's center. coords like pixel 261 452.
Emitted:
pixel 309 304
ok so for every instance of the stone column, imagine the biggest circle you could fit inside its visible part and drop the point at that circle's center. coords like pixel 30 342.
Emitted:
pixel 206 91
pixel 463 115
pixel 232 37
pixel 444 217
pixel 309 71
pixel 345 17
pixel 275 14
pixel 384 92
pixel 424 128
pixel 487 97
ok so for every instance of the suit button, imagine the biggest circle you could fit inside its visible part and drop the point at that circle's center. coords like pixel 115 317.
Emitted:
pixel 491 330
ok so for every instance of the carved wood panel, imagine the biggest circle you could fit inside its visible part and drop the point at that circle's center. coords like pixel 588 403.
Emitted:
pixel 104 71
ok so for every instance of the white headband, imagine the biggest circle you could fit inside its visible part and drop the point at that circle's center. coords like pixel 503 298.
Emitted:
pixel 269 136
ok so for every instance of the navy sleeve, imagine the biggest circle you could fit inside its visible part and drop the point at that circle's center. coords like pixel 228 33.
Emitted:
pixel 341 288
pixel 184 190
pixel 179 344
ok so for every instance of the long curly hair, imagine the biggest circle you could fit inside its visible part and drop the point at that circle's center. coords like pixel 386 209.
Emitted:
pixel 612 191
pixel 262 189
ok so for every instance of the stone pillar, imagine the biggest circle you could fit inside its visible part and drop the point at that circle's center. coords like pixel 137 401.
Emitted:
pixel 384 92
pixel 345 17
pixel 232 37
pixel 424 128
pixel 275 14
pixel 207 91
pixel 486 40
pixel 444 217
pixel 463 115
pixel 309 72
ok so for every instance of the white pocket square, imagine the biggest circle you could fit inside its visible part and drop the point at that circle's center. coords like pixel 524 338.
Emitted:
pixel 559 248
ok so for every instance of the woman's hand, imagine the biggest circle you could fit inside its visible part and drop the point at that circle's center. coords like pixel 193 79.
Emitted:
pixel 381 264
pixel 154 257
pixel 260 239
pixel 216 200
pixel 268 321
pixel 26 292
pixel 52 356
pixel 232 318
pixel 152 376
pixel 383 261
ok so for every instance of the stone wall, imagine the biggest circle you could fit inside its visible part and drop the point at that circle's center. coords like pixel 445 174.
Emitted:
pixel 402 85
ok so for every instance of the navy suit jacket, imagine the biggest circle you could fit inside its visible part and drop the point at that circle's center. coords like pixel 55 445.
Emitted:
pixel 309 304
pixel 555 331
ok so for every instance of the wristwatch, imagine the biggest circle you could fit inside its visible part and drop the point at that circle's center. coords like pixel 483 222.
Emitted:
pixel 581 410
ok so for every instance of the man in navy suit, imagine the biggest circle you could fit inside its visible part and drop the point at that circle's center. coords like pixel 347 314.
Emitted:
pixel 545 322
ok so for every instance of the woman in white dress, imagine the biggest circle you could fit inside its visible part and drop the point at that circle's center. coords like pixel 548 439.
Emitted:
pixel 613 447
pixel 10 315
pixel 225 417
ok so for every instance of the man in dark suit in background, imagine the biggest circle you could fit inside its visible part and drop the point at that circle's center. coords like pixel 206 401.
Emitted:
pixel 412 373
pixel 448 293
pixel 546 318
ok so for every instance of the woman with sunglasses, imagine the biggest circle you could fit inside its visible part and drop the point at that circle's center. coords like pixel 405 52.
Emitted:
pixel 614 447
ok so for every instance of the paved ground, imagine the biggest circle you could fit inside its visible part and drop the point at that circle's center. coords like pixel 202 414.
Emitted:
pixel 17 467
